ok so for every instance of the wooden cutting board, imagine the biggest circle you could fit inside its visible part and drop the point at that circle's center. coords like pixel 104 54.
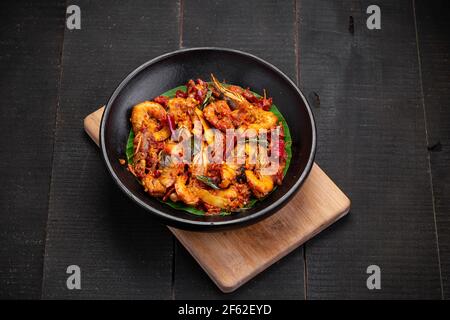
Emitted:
pixel 233 257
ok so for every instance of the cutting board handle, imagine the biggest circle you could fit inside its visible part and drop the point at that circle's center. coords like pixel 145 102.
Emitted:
pixel 92 125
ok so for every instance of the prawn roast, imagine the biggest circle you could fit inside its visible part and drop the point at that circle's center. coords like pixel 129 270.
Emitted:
pixel 208 147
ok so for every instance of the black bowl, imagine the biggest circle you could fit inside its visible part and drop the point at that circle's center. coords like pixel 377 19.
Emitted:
pixel 174 69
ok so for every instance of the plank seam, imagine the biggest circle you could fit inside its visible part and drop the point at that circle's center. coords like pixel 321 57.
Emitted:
pixel 297 79
pixel 58 102
pixel 180 23
pixel 422 98
pixel 296 40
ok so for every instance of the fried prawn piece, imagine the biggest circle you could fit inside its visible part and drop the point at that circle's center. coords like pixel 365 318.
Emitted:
pixel 182 111
pixel 230 199
pixel 145 156
pixel 185 193
pixel 218 113
pixel 260 185
pixel 245 113
pixel 261 102
pixel 227 174
pixel 252 117
pixel 152 116
pixel 212 199
pixel 157 182
pixel 263 119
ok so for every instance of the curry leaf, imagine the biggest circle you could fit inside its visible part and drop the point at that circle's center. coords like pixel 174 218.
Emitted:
pixel 208 181
pixel 130 147
pixel 206 100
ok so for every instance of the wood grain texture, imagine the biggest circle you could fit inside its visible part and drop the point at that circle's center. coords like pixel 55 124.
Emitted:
pixel 231 258
pixel 433 31
pixel 30 49
pixel 371 139
pixel 121 251
pixel 266 29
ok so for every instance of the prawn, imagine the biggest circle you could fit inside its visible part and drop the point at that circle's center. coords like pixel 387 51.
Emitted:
pixel 150 115
pixel 218 113
pixel 259 184
pixel 246 114
pixel 252 117
pixel 227 174
pixel 228 199
pixel 157 182
pixel 262 119
pixel 220 198
pixel 182 111
pixel 145 153
pixel 185 193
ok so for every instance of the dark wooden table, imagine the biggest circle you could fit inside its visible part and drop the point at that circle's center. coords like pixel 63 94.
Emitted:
pixel 381 101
